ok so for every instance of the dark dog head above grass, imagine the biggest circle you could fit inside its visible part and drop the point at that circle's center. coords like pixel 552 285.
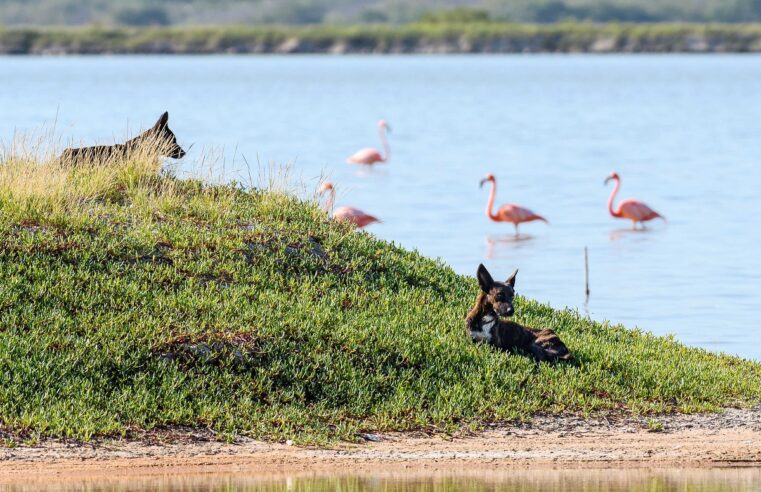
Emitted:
pixel 157 141
pixel 499 295
pixel 161 134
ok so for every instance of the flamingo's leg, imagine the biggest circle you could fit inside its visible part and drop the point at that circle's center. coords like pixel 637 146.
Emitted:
pixel 516 229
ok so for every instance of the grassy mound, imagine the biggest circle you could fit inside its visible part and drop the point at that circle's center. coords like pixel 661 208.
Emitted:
pixel 133 300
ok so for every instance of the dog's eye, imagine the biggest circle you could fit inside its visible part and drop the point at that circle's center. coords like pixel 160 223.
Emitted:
pixel 499 297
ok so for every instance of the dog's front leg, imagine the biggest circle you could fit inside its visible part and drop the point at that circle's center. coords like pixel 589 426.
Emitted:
pixel 537 352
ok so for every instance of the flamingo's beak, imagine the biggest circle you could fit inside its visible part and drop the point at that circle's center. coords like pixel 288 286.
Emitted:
pixel 388 128
pixel 481 184
pixel 607 179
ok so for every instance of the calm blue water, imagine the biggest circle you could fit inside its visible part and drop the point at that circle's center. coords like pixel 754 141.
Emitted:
pixel 683 132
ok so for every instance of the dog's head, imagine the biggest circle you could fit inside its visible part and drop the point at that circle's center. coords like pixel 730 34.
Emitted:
pixel 499 295
pixel 166 138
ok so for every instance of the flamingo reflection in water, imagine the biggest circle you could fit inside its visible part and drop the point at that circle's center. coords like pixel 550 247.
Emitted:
pixel 501 246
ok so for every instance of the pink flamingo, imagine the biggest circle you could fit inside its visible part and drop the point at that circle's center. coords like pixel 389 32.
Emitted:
pixel 509 212
pixel 346 214
pixel 631 209
pixel 371 155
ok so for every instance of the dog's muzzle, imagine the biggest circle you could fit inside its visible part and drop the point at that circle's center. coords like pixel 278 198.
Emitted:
pixel 506 311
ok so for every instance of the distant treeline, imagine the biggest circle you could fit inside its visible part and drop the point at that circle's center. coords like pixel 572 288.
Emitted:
pixel 347 12
pixel 430 37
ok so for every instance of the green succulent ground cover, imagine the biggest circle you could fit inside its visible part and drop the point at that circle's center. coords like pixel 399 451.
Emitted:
pixel 131 300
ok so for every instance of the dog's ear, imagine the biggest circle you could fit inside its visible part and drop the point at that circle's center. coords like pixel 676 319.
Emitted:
pixel 511 280
pixel 484 278
pixel 163 120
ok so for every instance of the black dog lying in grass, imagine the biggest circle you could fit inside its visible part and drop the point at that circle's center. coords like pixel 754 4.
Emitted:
pixel 483 323
pixel 159 140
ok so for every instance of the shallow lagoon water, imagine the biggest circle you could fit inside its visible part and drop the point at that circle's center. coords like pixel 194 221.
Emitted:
pixel 523 480
pixel 681 130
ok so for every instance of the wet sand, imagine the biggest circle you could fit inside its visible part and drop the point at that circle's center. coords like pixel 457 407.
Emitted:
pixel 730 439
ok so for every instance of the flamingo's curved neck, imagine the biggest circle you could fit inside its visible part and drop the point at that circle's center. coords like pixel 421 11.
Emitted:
pixel 614 213
pixel 490 202
pixel 384 142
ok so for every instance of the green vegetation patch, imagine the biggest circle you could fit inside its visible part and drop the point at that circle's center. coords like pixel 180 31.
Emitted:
pixel 131 300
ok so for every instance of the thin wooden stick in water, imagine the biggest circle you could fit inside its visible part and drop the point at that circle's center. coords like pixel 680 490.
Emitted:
pixel 586 271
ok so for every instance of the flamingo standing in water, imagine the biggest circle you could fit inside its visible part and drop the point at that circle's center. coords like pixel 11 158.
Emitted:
pixel 509 212
pixel 631 209
pixel 371 155
pixel 346 214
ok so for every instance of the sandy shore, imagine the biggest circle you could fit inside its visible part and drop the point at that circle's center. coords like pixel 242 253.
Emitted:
pixel 730 439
